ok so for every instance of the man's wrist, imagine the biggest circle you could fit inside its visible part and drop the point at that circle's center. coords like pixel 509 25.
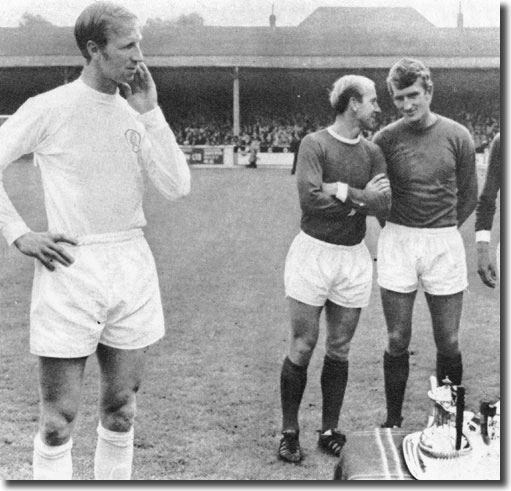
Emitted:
pixel 342 191
pixel 356 196
pixel 483 236
pixel 14 231
pixel 153 118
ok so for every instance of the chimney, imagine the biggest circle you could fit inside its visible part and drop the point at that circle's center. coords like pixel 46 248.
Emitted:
pixel 273 19
pixel 460 19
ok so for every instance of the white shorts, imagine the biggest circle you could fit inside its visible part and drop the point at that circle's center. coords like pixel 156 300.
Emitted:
pixel 432 257
pixel 317 271
pixel 109 295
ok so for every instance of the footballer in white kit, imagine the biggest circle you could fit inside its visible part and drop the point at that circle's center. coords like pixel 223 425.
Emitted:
pixel 95 287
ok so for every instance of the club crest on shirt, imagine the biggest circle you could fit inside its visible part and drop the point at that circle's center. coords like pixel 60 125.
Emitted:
pixel 133 138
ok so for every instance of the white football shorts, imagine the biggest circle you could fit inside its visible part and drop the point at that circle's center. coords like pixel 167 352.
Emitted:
pixel 109 295
pixel 431 257
pixel 317 271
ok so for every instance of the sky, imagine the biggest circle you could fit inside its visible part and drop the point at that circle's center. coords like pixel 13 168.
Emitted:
pixel 442 13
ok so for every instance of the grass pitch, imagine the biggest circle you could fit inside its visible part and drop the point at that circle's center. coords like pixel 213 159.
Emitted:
pixel 209 407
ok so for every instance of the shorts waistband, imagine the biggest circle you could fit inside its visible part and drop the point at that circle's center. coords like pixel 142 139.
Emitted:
pixel 110 237
pixel 329 245
pixel 423 231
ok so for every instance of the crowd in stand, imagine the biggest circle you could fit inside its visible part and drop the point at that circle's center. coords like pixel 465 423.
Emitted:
pixel 278 131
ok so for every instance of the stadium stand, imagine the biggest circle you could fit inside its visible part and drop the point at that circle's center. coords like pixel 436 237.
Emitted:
pixel 280 74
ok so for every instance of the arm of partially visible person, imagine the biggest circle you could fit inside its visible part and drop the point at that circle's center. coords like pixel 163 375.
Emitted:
pixel 485 211
pixel 20 135
pixel 466 178
pixel 314 199
pixel 164 161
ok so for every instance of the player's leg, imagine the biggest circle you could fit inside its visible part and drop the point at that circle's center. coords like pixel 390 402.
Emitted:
pixel 121 373
pixel 305 273
pixel 446 316
pixel 304 336
pixel 397 310
pixel 60 383
pixel 399 249
pixel 444 280
pixel 293 376
pixel 341 324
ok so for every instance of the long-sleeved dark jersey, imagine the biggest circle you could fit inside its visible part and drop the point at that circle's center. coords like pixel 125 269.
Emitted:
pixel 432 173
pixel 324 158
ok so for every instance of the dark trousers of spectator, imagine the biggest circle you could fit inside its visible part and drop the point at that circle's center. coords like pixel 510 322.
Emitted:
pixel 295 158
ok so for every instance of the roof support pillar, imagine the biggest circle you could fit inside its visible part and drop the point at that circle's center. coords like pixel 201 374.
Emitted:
pixel 236 102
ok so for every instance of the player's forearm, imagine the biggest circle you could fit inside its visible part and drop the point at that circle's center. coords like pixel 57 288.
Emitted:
pixel 465 208
pixel 378 207
pixel 485 211
pixel 166 164
pixel 11 224
pixel 467 190
pixel 486 205
pixel 314 200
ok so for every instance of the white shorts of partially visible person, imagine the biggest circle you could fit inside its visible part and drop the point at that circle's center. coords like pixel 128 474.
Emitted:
pixel 109 295
pixel 431 257
pixel 318 271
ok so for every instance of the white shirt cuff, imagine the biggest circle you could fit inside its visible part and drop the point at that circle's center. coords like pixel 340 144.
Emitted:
pixel 153 119
pixel 342 191
pixel 14 230
pixel 483 236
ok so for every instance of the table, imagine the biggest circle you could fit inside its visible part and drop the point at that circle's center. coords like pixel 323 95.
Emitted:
pixel 374 454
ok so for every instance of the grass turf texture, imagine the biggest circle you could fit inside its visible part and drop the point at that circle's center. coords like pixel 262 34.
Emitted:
pixel 209 406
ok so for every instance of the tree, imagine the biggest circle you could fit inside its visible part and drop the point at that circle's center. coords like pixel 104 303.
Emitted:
pixel 33 20
pixel 184 20
pixel 191 20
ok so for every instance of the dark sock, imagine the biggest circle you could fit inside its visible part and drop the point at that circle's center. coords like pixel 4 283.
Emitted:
pixel 334 378
pixel 449 367
pixel 395 374
pixel 293 379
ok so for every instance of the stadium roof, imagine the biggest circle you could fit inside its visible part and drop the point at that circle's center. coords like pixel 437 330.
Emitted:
pixel 368 18
pixel 329 37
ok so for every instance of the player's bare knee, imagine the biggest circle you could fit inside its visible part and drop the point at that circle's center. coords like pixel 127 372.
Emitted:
pixel 304 345
pixel 397 344
pixel 338 351
pixel 118 413
pixel 56 427
pixel 301 351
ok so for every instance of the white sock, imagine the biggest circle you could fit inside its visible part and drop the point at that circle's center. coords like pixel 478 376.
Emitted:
pixel 52 463
pixel 114 455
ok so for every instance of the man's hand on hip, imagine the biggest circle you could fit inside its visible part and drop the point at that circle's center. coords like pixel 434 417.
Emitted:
pixel 44 247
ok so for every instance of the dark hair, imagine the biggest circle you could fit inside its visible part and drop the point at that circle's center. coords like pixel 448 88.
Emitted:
pixel 345 88
pixel 97 22
pixel 406 72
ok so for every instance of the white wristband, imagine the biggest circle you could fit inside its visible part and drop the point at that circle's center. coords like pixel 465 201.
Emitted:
pixel 483 236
